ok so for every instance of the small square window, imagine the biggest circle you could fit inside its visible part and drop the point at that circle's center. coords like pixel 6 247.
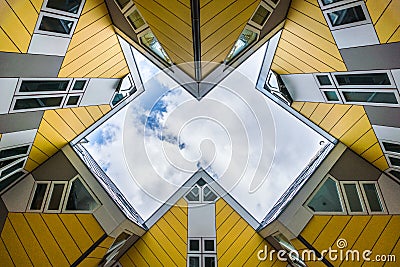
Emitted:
pixel 209 245
pixel 324 80
pixel 79 85
pixel 73 100
pixel 210 261
pixel 331 96
pixel 193 261
pixel 194 245
pixel 39 196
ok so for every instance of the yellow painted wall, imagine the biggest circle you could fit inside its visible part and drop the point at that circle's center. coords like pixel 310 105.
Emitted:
pixel 17 22
pixel 58 127
pixel 237 242
pixel 377 233
pixel 34 239
pixel 165 244
pixel 349 124
pixel 306 44
pixel 386 19
pixel 94 50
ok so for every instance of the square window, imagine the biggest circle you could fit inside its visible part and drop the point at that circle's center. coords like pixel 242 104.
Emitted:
pixel 194 245
pixel 331 96
pixel 79 85
pixel 323 80
pixel 73 100
pixel 209 245
pixel 210 261
pixel 194 261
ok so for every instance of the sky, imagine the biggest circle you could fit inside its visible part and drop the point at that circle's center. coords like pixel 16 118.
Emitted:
pixel 247 143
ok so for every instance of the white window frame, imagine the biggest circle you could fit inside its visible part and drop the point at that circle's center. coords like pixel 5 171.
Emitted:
pixel 360 196
pixel 342 203
pixel 18 93
pixel 64 13
pixel 333 84
pixel 128 6
pixel 340 101
pixel 75 105
pixel 203 261
pixel 18 155
pixel 16 161
pixel 272 4
pixel 384 210
pixel 267 7
pixel 130 11
pixel 393 156
pixel 71 91
pixel 327 6
pixel 28 208
pixel 68 192
pixel 41 14
pixel 391 175
pixel 203 245
pixel 194 251
pixel 394 91
pixel 46 209
pixel 12 110
pixel 202 194
pixel 197 256
pixel 359 3
pixel 386 151
pixel 388 72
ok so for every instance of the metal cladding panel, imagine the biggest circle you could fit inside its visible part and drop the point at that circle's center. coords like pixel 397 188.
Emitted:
pixel 355 36
pixel 303 87
pixel 201 220
pixel 7 89
pixel 99 91
pixel 48 45
pixel 18 138
pixel 26 121
pixel 385 116
pixel 387 133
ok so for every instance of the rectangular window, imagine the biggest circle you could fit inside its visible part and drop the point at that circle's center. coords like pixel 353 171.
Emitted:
pixel 38 103
pixel 391 147
pixel 323 80
pixel 14 152
pixel 353 197
pixel 150 41
pixel 209 245
pixel 327 198
pixel 42 86
pixel 72 101
pixel 79 85
pixel 331 96
pixel 209 260
pixel 372 196
pixel 56 25
pixel 393 161
pixel 246 38
pixel 346 16
pixel 194 245
pixel 395 173
pixel 261 15
pixel 122 3
pixel 70 7
pixel 17 166
pixel 374 98
pixel 56 195
pixel 39 196
pixel 364 80
pixel 136 19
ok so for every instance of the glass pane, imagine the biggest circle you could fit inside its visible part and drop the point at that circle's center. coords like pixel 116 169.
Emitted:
pixel 395 173
pixel 327 198
pixel 363 79
pixel 150 41
pixel 194 245
pixel 371 97
pixel 327 2
pixel 209 261
pixel 71 6
pixel 56 195
pixel 353 197
pixel 372 197
pixel 10 152
pixel 209 245
pixel 6 162
pixel 346 16
pixel 193 195
pixel 208 195
pixel 391 147
pixel 136 20
pixel 261 15
pixel 122 3
pixel 72 100
pixel 246 38
pixel 79 198
pixel 38 197
pixel 331 95
pixel 43 86
pixel 12 168
pixel 394 161
pixel 324 80
pixel 79 85
pixel 28 103
pixel 51 24
pixel 9 180
pixel 194 261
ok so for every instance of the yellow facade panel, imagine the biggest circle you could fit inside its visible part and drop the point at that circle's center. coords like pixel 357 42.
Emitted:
pixel 278 69
pixel 355 132
pixel 347 121
pixel 125 261
pixel 89 5
pixel 57 122
pixel 223 215
pixel 227 225
pixel 395 251
pixel 249 250
pixel 119 70
pixel 308 108
pixel 26 12
pixel 381 163
pixel 50 133
pixel 176 235
pixel 89 262
pixel 179 257
pixel 37 4
pixel 376 8
pixel 298 105
pixel 44 145
pixel 37 155
pixel 389 21
pixel 102 68
pixel 182 50
pixel 219 206
pixel 133 255
pixel 71 119
pixel 28 240
pixel 214 8
pixel 6 45
pixel 122 73
pixel 353 230
pixel 178 9
pixel 285 65
pixel 76 230
pixel 13 27
pixel 254 261
pixel 46 239
pixel 228 249
pixel 395 37
pixel 95 112
pixel 309 9
pixel 373 153
pixel 104 108
pixel 294 60
pixel 320 112
pixel 225 241
pixel 157 250
pixel 91 226
pixel 182 203
pixel 147 253
pixel 366 141
pixel 30 165
pixel 83 116
pixel 5 258
pixel 176 214
pixel 331 232
pixel 388 238
pixel 62 237
pixel 91 16
pixel 14 246
pixel 314 228
pixel 334 115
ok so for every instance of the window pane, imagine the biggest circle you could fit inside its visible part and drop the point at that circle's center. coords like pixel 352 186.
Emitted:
pixel 328 2
pixel 353 197
pixel 12 168
pixel 6 162
pixel 372 197
pixel 394 161
pixel 79 85
pixel 246 38
pixel 79 198
pixel 346 16
pixel 71 6
pixel 391 147
pixel 10 152
pixel 209 261
pixel 193 195
pixel 38 197
pixel 209 245
pixel 395 173
pixel 51 24
pixel 371 97
pixel 9 180
pixel 363 79
pixel 43 86
pixel 122 3
pixel 56 195
pixel 28 103
pixel 150 41
pixel 194 245
pixel 324 80
pixel 261 15
pixel 194 261
pixel 72 100
pixel 208 195
pixel 331 95
pixel 327 198
pixel 136 19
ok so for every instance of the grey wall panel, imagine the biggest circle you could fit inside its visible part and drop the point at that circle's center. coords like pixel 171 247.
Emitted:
pixel 7 90
pixel 351 167
pixel 303 87
pixel 26 65
pixel 57 168
pixel 99 92
pixel 20 121
pixel 48 45
pixel 373 57
pixel 385 116
pixel 356 36
pixel 276 17
pixel 3 214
